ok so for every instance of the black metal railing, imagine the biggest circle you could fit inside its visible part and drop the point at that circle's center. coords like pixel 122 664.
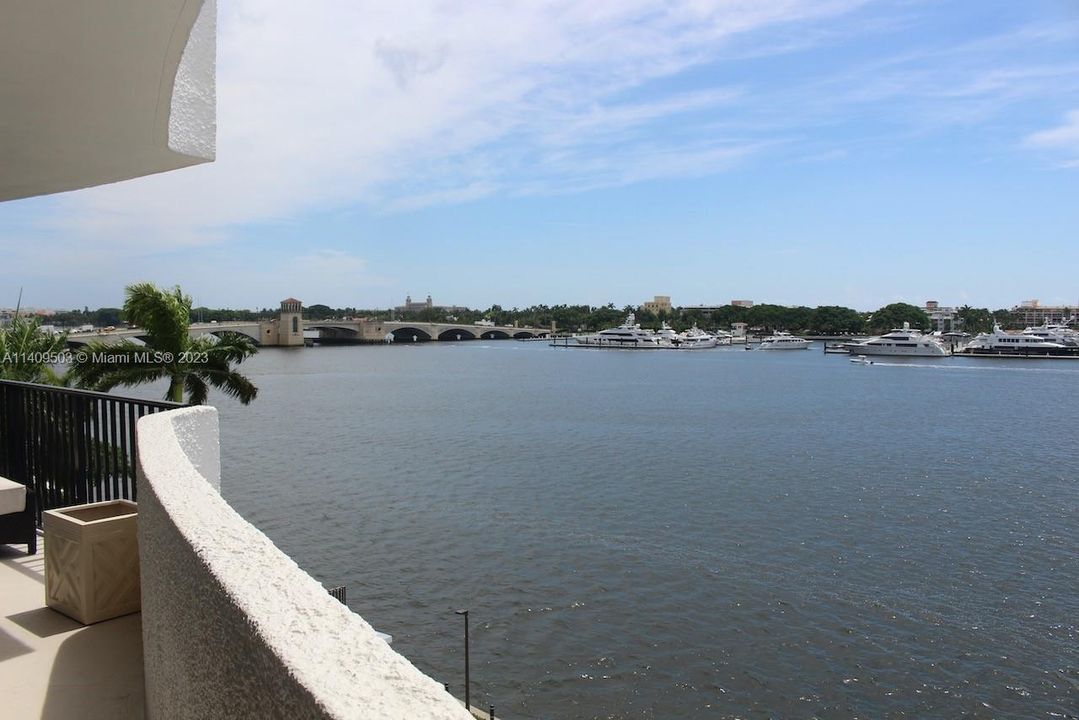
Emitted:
pixel 70 446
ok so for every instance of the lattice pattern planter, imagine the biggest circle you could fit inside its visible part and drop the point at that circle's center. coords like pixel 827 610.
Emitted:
pixel 92 560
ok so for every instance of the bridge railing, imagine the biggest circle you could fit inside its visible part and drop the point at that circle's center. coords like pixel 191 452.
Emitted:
pixel 70 446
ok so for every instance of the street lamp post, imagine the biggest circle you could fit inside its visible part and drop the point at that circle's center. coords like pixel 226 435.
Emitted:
pixel 468 703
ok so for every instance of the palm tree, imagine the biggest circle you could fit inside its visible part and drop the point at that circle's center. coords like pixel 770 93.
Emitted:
pixel 191 365
pixel 27 353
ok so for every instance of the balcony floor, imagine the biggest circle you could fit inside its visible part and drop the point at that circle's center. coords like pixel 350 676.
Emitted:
pixel 55 668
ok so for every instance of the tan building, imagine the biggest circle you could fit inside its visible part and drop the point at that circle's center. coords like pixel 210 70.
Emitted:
pixel 742 303
pixel 411 306
pixel 1031 312
pixel 659 304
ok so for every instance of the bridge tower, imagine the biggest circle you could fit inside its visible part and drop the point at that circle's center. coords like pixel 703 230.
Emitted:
pixel 290 323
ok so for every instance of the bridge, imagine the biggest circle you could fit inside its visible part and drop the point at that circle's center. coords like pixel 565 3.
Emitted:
pixel 363 330
pixel 288 329
pixel 258 331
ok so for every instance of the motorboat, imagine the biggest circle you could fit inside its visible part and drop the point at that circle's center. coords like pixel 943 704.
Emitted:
pixel 861 360
pixel 666 334
pixel 723 337
pixel 780 340
pixel 627 335
pixel 695 338
pixel 1061 334
pixel 1004 344
pixel 901 341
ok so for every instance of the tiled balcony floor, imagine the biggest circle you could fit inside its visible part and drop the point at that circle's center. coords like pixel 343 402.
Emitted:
pixel 53 667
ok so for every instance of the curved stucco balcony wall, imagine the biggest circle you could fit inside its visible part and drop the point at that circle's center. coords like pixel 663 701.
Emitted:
pixel 232 627
pixel 97 91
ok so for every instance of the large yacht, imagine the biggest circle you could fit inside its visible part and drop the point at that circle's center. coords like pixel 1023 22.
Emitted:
pixel 666 334
pixel 901 341
pixel 1061 334
pixel 627 335
pixel 783 341
pixel 696 338
pixel 1000 343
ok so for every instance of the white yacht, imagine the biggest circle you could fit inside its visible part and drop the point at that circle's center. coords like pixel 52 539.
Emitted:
pixel 1061 334
pixel 783 341
pixel 627 335
pixel 900 341
pixel 666 334
pixel 696 338
pixel 723 337
pixel 999 343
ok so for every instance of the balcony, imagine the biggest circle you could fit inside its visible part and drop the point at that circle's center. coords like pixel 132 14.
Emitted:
pixel 53 667
pixel 230 626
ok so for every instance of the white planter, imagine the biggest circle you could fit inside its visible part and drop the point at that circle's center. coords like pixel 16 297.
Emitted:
pixel 92 560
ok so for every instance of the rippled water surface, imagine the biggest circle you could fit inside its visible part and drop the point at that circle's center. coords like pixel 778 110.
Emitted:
pixel 685 534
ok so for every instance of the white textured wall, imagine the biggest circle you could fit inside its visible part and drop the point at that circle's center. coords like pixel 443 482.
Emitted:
pixel 98 91
pixel 192 118
pixel 193 110
pixel 232 627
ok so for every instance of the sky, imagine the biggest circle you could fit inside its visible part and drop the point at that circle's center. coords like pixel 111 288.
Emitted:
pixel 799 152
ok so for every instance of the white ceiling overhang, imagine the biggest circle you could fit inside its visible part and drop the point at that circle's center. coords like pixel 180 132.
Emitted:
pixel 96 91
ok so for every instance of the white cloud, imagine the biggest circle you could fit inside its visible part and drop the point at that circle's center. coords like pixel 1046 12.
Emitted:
pixel 403 105
pixel 324 104
pixel 1063 139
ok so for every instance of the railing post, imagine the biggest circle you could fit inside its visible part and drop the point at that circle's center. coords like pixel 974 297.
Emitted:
pixel 468 684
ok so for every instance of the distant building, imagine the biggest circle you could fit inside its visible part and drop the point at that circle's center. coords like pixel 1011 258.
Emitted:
pixel 742 303
pixel 1031 312
pixel 660 304
pixel 428 304
pixel 944 319
pixel 8 314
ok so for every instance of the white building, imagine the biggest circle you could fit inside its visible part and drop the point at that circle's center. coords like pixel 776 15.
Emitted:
pixel 944 319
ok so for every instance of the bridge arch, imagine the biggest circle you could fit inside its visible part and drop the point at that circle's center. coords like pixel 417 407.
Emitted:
pixel 524 335
pixel 409 334
pixel 454 334
pixel 495 335
pixel 334 333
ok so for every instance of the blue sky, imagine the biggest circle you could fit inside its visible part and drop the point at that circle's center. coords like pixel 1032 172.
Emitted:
pixel 790 151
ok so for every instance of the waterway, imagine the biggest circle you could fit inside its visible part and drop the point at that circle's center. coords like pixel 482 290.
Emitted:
pixel 704 534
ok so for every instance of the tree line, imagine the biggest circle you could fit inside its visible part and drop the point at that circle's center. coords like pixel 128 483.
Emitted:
pixel 106 316
pixel 821 320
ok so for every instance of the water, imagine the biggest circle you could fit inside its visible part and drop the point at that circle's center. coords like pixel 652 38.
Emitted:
pixel 703 534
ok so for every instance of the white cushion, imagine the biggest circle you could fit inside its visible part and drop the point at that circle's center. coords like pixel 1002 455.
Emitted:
pixel 12 496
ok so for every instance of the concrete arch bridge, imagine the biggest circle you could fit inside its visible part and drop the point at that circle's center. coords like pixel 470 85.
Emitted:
pixel 381 331
pixel 265 332
pixel 291 330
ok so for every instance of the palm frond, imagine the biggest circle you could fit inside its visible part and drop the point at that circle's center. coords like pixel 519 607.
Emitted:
pixel 229 347
pixel 26 351
pixel 102 367
pixel 228 381
pixel 196 388
pixel 165 315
